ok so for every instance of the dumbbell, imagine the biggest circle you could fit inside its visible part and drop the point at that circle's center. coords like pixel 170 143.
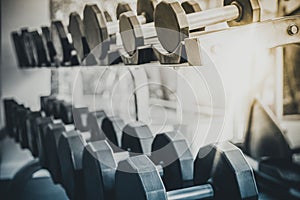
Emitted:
pixel 222 166
pixel 39 51
pixel 30 130
pixel 20 49
pixel 138 38
pixel 48 44
pixel 77 32
pixel 71 147
pixel 9 106
pixel 99 167
pixel 21 113
pixel 39 130
pixel 100 162
pixel 172 31
pixel 109 53
pixel 99 34
pixel 50 131
pixel 65 52
pixel 137 138
pixel 26 38
pixel 76 29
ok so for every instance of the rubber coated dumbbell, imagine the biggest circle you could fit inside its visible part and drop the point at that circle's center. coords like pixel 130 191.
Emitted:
pixel 100 35
pixel 93 19
pixel 65 55
pixel 173 30
pixel 70 152
pixel 138 38
pixel 222 166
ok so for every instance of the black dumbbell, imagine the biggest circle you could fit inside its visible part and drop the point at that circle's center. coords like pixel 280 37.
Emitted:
pixel 20 49
pixel 136 50
pixel 39 50
pixel 48 44
pixel 100 35
pixel 9 106
pixel 30 130
pixel 138 38
pixel 109 51
pixel 77 31
pixel 223 166
pixel 138 139
pixel 176 175
pixel 173 30
pixel 71 145
pixel 65 52
pixel 99 165
pixel 9 110
pixel 54 132
pixel 27 42
pixel 100 162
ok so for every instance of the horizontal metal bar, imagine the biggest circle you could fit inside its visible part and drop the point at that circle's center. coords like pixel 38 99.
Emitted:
pixel 261 35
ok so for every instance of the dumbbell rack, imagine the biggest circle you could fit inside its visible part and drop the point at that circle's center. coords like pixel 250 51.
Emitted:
pixel 210 48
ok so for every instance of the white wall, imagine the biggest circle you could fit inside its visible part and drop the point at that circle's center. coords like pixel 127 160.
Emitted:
pixel 25 85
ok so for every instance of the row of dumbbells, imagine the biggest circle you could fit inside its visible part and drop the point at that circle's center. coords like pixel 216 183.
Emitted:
pixel 156 31
pixel 94 156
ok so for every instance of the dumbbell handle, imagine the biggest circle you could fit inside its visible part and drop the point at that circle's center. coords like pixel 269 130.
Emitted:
pixel 213 16
pixel 197 192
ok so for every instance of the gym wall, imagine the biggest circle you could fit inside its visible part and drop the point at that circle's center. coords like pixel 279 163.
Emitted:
pixel 15 82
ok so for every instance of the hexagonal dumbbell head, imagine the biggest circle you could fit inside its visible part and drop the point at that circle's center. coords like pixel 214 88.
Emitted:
pixel 131 32
pixel 137 138
pixel 70 148
pixel 94 122
pixel 76 29
pixel 171 30
pixel 171 151
pixel 146 8
pixel 249 11
pixel 225 162
pixel 99 167
pixel 191 6
pixel 66 113
pixel 96 30
pixel 54 132
pixel 144 179
pixel 112 128
pixel 121 8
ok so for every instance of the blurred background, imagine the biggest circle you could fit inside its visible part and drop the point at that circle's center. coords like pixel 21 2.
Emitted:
pixel 274 78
